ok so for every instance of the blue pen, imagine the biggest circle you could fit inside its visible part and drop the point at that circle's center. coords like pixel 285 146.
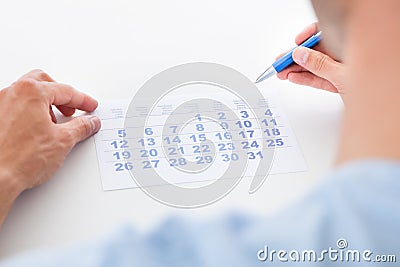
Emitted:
pixel 287 59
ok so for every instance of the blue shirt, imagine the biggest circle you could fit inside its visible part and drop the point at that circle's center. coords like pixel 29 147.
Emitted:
pixel 354 214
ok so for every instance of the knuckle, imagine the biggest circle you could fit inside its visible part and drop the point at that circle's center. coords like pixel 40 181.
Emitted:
pixel 84 126
pixel 5 91
pixel 42 75
pixel 320 63
pixel 67 139
pixel 24 85
pixel 36 71
pixel 74 133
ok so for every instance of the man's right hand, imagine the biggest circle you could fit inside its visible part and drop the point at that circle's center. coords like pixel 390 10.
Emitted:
pixel 315 67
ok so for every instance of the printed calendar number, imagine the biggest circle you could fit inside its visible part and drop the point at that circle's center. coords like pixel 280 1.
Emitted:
pixel 121 133
pixel 248 145
pixel 268 112
pixel 226 147
pixel 173 128
pixel 148 131
pixel 253 155
pixel 147 141
pixel 276 142
pixel 204 160
pixel 172 151
pixel 245 114
pixel 146 153
pixel 198 116
pixel 177 162
pixel 148 164
pixel 224 125
pixel 268 122
pixel 229 157
pixel 273 132
pixel 201 149
pixel 198 137
pixel 244 124
pixel 200 127
pixel 170 140
pixel 120 144
pixel 225 136
pixel 248 133
pixel 122 155
pixel 122 167
pixel 221 116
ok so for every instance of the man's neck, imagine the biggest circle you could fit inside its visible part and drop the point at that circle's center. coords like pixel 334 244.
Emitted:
pixel 371 127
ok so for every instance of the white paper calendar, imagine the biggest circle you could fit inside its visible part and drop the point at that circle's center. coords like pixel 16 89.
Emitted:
pixel 165 150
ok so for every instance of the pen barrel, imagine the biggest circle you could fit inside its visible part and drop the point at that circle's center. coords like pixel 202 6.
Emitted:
pixel 284 61
pixel 287 59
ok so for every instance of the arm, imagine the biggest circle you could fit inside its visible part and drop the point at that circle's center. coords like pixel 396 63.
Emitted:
pixel 9 191
pixel 33 146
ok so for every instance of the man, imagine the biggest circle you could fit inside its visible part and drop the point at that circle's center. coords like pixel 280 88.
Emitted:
pixel 357 205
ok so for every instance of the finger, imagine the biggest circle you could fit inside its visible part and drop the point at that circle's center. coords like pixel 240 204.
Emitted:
pixel 66 111
pixel 319 47
pixel 306 33
pixel 38 75
pixel 52 116
pixel 317 63
pixel 64 95
pixel 309 79
pixel 283 75
pixel 81 128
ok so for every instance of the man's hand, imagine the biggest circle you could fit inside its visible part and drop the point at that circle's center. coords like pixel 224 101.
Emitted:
pixel 314 67
pixel 32 145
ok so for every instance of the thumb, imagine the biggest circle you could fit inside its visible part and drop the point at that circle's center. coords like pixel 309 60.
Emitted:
pixel 316 62
pixel 81 128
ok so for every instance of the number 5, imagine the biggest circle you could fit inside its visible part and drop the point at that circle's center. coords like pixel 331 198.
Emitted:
pixel 121 133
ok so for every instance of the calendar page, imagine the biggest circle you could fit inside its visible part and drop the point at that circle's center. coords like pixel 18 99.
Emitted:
pixel 207 145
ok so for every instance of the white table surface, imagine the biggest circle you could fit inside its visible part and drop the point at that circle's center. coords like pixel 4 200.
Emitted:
pixel 109 49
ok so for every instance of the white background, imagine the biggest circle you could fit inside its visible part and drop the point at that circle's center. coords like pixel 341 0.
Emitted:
pixel 109 49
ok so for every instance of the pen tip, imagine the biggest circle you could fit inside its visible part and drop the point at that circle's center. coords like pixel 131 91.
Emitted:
pixel 259 79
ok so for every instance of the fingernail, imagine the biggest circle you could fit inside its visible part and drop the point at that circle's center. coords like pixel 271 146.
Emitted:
pixel 96 123
pixel 300 55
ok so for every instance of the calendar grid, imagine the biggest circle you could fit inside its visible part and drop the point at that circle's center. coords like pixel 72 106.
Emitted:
pixel 163 148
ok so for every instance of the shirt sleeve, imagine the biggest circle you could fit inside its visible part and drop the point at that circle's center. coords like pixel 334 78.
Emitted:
pixel 356 208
